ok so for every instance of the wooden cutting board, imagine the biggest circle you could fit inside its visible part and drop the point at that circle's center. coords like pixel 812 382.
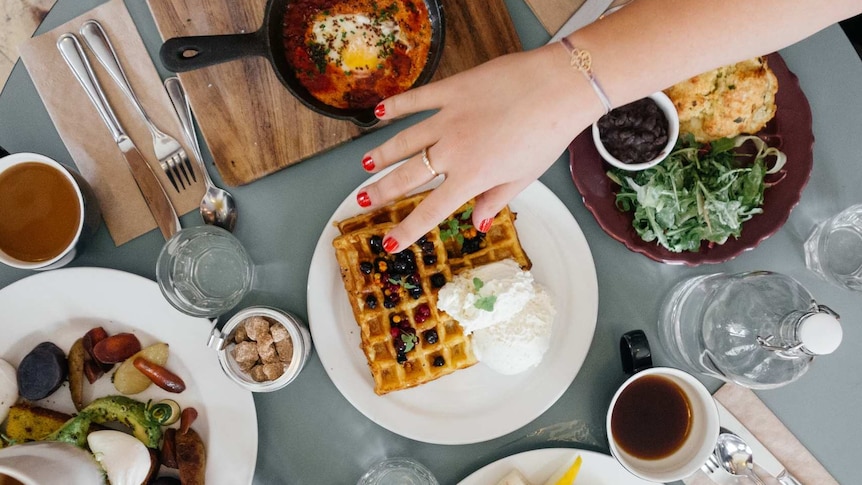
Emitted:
pixel 252 125
pixel 554 13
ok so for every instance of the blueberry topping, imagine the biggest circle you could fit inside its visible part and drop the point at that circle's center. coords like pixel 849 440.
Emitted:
pixel 427 247
pixel 376 243
pixel 415 292
pixel 401 357
pixel 471 245
pixel 371 302
pixel 366 267
pixel 429 259
pixel 431 336
pixel 438 280
pixel 439 361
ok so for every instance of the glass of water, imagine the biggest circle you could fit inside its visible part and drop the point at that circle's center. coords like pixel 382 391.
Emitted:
pixel 398 471
pixel 204 271
pixel 834 248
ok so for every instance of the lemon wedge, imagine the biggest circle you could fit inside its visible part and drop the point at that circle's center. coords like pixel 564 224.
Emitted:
pixel 566 475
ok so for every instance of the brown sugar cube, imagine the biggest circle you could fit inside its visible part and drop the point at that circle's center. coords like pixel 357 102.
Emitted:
pixel 284 348
pixel 257 373
pixel 240 334
pixel 273 371
pixel 256 326
pixel 267 353
pixel 264 339
pixel 278 332
pixel 245 354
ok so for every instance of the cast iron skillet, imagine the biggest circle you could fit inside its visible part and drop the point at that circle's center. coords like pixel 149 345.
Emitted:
pixel 182 54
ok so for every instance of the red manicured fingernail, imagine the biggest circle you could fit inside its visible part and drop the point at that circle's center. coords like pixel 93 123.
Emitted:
pixel 380 110
pixel 485 224
pixel 368 163
pixel 363 199
pixel 389 244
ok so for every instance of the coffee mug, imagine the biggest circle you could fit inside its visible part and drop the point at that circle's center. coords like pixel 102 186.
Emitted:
pixel 46 462
pixel 48 212
pixel 662 422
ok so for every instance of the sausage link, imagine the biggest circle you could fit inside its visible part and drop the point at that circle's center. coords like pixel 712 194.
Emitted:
pixel 160 376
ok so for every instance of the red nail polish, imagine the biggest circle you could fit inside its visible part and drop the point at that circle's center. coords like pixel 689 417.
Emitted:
pixel 363 199
pixel 485 224
pixel 389 244
pixel 368 163
pixel 380 110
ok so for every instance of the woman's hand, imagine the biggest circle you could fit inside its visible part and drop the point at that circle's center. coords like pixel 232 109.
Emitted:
pixel 498 127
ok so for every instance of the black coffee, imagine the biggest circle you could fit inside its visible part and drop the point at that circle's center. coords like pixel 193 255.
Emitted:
pixel 652 418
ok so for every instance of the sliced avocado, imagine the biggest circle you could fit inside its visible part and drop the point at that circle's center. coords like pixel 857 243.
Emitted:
pixel 121 409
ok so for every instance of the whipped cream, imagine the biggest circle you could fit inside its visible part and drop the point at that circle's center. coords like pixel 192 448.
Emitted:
pixel 509 315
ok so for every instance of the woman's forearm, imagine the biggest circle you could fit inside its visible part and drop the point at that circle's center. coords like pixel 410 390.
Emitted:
pixel 652 44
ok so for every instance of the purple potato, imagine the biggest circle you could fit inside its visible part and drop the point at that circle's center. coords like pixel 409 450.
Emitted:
pixel 41 371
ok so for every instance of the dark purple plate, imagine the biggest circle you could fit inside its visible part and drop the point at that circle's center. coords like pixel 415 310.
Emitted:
pixel 789 130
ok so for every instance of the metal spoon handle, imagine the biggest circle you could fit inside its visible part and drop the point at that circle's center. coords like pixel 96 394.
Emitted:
pixel 184 113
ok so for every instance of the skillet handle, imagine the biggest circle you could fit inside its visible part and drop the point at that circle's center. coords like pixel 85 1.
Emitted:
pixel 182 54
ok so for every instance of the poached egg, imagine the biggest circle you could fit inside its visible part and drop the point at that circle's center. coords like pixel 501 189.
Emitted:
pixel 355 42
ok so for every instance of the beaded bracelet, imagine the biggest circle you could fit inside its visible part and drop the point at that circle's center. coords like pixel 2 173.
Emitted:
pixel 582 61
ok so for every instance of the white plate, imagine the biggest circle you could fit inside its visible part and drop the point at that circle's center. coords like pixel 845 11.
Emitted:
pixel 473 404
pixel 538 465
pixel 61 305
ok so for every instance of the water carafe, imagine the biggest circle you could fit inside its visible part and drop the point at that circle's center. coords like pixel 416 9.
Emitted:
pixel 758 329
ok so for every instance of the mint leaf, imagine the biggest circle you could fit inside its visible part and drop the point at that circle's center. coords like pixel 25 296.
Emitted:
pixel 478 284
pixel 467 213
pixel 409 340
pixel 486 303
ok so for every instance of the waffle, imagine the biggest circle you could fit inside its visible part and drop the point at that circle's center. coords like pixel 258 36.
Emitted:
pixel 406 340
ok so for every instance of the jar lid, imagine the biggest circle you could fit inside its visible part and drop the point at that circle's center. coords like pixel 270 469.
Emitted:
pixel 820 332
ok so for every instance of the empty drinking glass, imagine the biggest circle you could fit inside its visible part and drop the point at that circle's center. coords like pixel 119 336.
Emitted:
pixel 204 271
pixel 834 248
pixel 398 471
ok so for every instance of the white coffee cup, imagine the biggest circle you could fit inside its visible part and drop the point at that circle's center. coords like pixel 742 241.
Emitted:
pixel 48 462
pixel 89 215
pixel 693 450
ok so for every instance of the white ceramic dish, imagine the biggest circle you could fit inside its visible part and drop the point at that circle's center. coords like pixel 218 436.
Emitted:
pixel 538 465
pixel 666 105
pixel 61 305
pixel 464 407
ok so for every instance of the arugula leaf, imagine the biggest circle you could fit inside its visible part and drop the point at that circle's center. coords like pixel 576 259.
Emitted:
pixel 698 193
pixel 486 303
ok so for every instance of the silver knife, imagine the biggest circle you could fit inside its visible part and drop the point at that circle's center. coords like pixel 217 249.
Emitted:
pixel 762 456
pixel 584 15
pixel 148 183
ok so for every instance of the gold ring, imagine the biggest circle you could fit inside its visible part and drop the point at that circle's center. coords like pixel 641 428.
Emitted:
pixel 427 162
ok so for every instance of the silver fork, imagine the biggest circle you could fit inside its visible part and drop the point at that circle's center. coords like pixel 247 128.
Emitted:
pixel 712 465
pixel 171 155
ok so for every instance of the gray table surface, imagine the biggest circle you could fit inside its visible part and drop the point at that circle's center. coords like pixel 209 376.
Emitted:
pixel 310 434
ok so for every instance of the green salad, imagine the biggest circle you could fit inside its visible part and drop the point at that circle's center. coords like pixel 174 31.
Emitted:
pixel 698 193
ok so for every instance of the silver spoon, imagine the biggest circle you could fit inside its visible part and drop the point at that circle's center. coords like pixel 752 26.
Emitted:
pixel 217 206
pixel 735 456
